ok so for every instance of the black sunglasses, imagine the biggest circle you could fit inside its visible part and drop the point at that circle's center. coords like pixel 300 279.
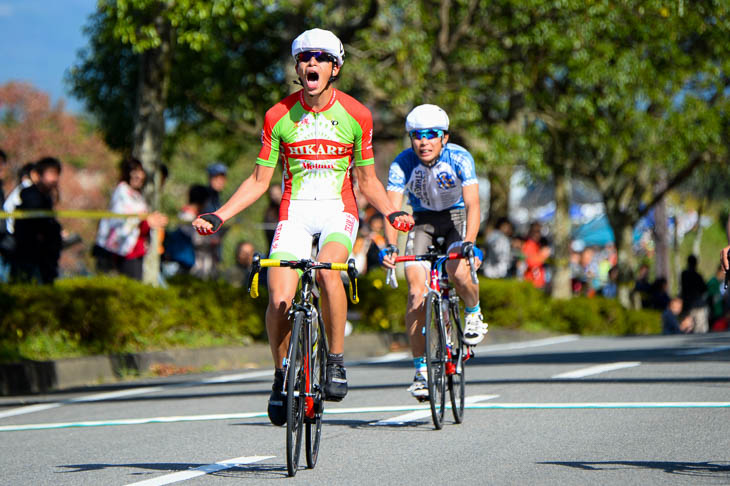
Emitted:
pixel 320 56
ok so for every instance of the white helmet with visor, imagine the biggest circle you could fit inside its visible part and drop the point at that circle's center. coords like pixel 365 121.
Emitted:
pixel 319 40
pixel 425 117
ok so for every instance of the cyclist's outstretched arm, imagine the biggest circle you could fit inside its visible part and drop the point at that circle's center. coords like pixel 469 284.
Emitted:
pixel 391 234
pixel 471 202
pixel 247 193
pixel 374 192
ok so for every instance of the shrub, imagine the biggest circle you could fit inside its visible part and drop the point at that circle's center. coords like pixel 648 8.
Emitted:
pixel 117 315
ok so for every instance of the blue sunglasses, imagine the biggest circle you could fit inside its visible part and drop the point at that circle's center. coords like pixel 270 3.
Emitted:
pixel 428 134
pixel 320 56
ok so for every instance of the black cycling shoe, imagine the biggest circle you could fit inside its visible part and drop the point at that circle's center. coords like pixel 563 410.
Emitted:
pixel 335 386
pixel 277 403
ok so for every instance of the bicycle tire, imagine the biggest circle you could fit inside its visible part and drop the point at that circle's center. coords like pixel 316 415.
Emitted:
pixel 457 381
pixel 295 396
pixel 435 359
pixel 318 369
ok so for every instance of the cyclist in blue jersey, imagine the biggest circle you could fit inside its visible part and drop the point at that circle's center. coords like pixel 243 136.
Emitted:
pixel 440 180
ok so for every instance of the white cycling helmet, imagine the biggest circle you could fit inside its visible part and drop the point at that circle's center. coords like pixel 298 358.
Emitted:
pixel 427 116
pixel 319 40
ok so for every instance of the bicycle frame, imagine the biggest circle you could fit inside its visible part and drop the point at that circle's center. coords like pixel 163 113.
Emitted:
pixel 438 283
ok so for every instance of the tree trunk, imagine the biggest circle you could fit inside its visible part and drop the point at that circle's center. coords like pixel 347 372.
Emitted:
pixel 561 288
pixel 499 187
pixel 624 233
pixel 149 129
pixel 661 237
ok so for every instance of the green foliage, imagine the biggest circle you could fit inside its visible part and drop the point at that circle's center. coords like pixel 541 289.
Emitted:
pixel 83 316
pixel 510 304
pixel 114 315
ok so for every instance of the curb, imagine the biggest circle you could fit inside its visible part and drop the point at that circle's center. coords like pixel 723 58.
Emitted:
pixel 32 377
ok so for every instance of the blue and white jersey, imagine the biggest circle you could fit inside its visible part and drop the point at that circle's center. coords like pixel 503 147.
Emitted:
pixel 434 188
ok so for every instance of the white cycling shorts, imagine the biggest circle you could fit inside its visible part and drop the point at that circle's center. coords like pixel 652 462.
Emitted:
pixel 306 218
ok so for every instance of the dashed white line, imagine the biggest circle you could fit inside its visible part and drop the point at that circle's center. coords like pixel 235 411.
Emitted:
pixel 480 350
pixel 595 370
pixel 200 471
pixel 97 397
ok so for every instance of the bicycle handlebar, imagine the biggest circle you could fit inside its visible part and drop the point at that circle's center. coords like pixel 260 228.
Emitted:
pixel 303 265
pixel 432 257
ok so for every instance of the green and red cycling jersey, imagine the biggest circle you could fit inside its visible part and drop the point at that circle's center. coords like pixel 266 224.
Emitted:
pixel 318 148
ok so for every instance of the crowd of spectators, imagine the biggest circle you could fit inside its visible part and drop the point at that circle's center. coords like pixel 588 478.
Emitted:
pixel 30 247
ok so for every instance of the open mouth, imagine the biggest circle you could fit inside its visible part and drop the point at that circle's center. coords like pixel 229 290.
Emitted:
pixel 312 80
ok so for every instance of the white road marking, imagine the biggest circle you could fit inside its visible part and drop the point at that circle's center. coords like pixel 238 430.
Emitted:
pixel 692 352
pixel 595 370
pixel 371 410
pixel 200 471
pixel 98 397
pixel 417 415
pixel 479 350
pixel 589 405
pixel 28 409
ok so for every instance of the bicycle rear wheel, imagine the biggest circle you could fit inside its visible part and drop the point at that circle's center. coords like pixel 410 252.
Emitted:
pixel 435 359
pixel 317 371
pixel 457 380
pixel 295 395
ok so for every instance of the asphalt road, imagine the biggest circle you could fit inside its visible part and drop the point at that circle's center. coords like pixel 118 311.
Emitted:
pixel 566 410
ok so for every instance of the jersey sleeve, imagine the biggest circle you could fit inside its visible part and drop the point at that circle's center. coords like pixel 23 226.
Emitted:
pixel 465 168
pixel 270 140
pixel 397 175
pixel 362 150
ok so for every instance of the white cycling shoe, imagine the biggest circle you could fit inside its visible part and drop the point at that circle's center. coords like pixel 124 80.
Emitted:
pixel 419 387
pixel 475 328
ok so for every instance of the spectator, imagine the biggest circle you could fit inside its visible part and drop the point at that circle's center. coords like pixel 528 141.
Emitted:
pixel 673 321
pixel 271 215
pixel 181 243
pixel 610 289
pixel 642 288
pixel 27 176
pixel 217 176
pixel 38 240
pixel 715 299
pixel 5 238
pixel 376 238
pixel 498 257
pixel 693 291
pixel 659 294
pixel 238 276
pixel 536 253
pixel 122 243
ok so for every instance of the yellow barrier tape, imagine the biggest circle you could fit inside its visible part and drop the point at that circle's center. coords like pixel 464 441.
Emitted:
pixel 69 213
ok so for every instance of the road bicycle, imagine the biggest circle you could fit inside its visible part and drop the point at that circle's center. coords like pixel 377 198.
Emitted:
pixel 305 364
pixel 446 351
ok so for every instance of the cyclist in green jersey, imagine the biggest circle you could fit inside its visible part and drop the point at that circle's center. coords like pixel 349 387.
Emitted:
pixel 323 137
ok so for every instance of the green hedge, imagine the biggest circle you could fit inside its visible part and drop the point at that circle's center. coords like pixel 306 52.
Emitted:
pixel 115 315
pixel 82 316
pixel 511 304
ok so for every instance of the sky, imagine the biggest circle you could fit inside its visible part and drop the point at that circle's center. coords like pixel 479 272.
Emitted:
pixel 38 43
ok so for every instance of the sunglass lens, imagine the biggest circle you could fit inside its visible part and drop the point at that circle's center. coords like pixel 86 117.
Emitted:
pixel 427 134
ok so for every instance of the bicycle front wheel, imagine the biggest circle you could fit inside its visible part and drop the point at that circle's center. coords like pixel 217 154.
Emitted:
pixel 457 379
pixel 318 345
pixel 295 395
pixel 435 359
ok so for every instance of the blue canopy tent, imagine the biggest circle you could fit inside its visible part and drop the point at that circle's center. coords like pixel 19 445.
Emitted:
pixel 596 232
